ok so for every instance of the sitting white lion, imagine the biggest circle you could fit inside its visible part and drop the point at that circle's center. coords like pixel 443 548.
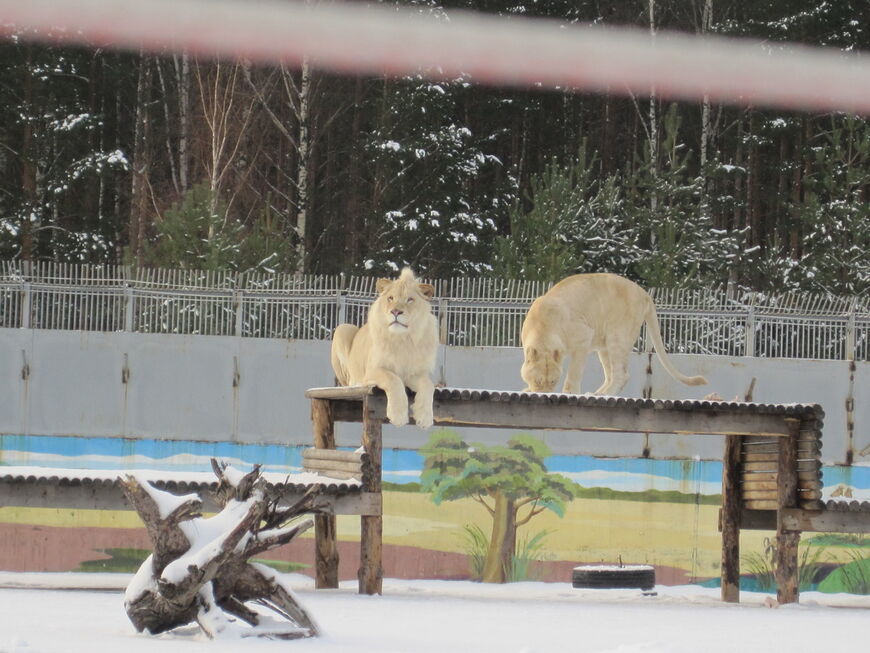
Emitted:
pixel 395 348
pixel 585 313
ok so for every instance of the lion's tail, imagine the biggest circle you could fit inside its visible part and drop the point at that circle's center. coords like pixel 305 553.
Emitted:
pixel 342 340
pixel 652 326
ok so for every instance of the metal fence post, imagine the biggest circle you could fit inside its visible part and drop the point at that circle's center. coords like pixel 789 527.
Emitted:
pixel 342 306
pixel 238 305
pixel 850 331
pixel 26 303
pixel 749 341
pixel 129 299
pixel 442 320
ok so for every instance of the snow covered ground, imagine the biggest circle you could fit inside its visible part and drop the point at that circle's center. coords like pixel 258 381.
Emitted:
pixel 439 616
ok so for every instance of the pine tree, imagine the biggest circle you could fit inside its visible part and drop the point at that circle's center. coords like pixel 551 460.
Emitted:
pixel 575 223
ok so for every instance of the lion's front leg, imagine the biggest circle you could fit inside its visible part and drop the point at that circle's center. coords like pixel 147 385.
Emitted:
pixel 397 398
pixel 424 390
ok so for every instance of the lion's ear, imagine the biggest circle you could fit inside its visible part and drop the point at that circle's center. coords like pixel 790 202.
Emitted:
pixel 381 285
pixel 427 290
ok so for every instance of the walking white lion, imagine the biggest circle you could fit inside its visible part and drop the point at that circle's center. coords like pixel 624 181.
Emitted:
pixel 395 348
pixel 585 313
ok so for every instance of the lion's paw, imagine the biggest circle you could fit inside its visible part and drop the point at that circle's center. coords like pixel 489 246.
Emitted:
pixel 397 417
pixel 424 421
pixel 423 415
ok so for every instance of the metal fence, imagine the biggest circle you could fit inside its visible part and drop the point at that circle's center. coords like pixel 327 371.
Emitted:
pixel 471 312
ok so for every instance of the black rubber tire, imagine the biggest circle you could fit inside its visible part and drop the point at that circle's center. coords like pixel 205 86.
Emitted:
pixel 611 577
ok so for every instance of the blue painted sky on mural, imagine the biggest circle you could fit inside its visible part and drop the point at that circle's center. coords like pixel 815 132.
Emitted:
pixel 399 465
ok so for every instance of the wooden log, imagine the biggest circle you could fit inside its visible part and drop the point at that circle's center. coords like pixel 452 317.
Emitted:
pixel 787 541
pixel 827 521
pixel 334 468
pixel 730 520
pixel 759 495
pixel 770 457
pixel 810 475
pixel 340 392
pixel 313 453
pixel 804 450
pixel 809 493
pixel 749 485
pixel 760 505
pixel 371 570
pixel 325 529
pixel 760 467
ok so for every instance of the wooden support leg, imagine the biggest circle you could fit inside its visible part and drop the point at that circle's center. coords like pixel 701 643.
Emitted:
pixel 730 520
pixel 787 576
pixel 371 571
pixel 325 531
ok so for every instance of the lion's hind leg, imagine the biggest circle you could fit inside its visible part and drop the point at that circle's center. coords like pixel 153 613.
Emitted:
pixel 614 361
pixel 342 341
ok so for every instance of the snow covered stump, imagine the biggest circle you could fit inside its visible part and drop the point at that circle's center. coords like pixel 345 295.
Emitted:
pixel 199 570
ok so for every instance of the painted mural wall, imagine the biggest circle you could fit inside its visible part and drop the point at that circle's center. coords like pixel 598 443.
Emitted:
pixel 126 401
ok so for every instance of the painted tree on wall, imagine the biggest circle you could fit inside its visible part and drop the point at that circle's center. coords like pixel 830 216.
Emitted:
pixel 511 482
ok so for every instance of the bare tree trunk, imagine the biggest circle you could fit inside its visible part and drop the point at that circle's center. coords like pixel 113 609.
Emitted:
pixel 209 582
pixel 355 225
pixel 28 167
pixel 303 166
pixel 706 23
pixel 653 121
pixel 182 64
pixel 141 162
pixel 226 120
pixel 167 117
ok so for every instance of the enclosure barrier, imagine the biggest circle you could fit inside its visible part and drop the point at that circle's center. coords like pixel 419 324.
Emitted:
pixel 472 312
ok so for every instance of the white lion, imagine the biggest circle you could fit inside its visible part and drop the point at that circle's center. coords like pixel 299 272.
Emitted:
pixel 395 348
pixel 585 313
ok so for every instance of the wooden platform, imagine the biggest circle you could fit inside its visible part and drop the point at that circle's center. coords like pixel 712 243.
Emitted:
pixel 771 460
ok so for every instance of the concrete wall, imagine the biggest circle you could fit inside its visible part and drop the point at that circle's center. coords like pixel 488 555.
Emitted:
pixel 218 389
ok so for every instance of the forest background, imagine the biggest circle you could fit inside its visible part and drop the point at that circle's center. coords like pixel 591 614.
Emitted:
pixel 170 160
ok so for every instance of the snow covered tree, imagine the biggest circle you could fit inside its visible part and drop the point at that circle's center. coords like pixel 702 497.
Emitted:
pixel 835 213
pixel 511 482
pixel 56 158
pixel 426 161
pixel 680 246
pixel 575 223
pixel 197 233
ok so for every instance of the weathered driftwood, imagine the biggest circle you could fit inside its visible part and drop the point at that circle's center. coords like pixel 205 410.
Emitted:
pixel 200 570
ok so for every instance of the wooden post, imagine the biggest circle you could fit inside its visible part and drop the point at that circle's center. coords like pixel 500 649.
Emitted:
pixel 729 519
pixel 787 581
pixel 325 532
pixel 371 571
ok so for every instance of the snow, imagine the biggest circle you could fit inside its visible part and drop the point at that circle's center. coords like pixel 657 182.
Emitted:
pixel 166 501
pixel 425 616
pixel 301 478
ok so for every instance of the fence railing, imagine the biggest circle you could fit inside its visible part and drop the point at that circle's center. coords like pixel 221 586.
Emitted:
pixel 471 312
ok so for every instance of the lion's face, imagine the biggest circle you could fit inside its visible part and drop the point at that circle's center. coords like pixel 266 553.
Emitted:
pixel 402 304
pixel 541 369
